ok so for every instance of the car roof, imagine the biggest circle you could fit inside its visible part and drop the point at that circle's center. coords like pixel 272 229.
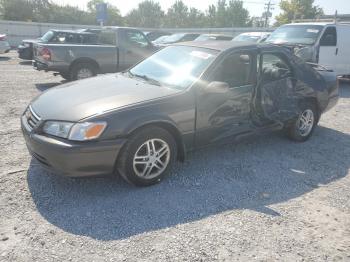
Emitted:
pixel 218 45
pixel 312 23
pixel 256 33
pixel 72 31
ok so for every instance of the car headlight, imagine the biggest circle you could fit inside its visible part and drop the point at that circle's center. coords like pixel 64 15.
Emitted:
pixel 57 128
pixel 77 132
pixel 87 131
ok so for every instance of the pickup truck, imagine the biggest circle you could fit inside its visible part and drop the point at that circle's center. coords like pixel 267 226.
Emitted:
pixel 115 49
pixel 53 36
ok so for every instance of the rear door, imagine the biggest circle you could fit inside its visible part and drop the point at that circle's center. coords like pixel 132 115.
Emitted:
pixel 274 99
pixel 328 53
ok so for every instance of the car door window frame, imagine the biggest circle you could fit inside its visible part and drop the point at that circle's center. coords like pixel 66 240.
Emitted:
pixel 129 43
pixel 279 55
pixel 331 30
pixel 253 69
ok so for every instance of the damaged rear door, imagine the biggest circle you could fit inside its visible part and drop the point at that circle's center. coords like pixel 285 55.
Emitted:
pixel 275 99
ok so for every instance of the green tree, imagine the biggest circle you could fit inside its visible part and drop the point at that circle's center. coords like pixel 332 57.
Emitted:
pixel 177 15
pixel 211 16
pixel 236 14
pixel 297 9
pixel 196 18
pixel 16 10
pixel 147 14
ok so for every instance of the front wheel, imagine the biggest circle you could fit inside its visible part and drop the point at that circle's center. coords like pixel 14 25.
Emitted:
pixel 147 156
pixel 303 127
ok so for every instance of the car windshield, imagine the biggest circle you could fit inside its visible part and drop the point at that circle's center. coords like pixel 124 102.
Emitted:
pixel 296 34
pixel 47 36
pixel 247 38
pixel 204 38
pixel 174 66
pixel 173 38
pixel 160 39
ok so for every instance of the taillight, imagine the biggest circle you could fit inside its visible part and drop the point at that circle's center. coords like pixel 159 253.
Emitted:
pixel 45 53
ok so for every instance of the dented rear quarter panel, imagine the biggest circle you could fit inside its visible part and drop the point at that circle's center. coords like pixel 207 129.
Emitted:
pixel 313 84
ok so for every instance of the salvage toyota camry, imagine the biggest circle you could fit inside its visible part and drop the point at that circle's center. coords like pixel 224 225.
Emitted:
pixel 186 96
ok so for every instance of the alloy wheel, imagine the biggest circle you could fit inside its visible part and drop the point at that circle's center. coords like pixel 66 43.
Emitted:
pixel 151 158
pixel 84 73
pixel 306 122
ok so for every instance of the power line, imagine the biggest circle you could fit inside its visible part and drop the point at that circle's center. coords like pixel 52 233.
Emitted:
pixel 268 7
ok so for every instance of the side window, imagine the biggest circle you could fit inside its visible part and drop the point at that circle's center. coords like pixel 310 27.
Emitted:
pixel 189 37
pixel 329 37
pixel 59 38
pixel 236 70
pixel 274 68
pixel 107 38
pixel 135 38
pixel 89 39
pixel 72 39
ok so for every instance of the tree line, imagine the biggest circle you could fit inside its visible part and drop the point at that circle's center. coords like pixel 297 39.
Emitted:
pixel 225 13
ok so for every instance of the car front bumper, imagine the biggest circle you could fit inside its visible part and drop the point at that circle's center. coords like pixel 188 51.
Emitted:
pixel 4 47
pixel 70 158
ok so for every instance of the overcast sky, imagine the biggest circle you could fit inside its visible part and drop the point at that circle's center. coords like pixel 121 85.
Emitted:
pixel 255 7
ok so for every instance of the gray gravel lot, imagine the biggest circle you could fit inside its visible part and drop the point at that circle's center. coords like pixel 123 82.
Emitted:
pixel 264 199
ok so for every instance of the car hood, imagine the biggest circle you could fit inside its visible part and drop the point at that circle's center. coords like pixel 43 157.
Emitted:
pixel 77 100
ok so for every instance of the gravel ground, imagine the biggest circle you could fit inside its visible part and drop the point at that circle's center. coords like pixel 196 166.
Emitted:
pixel 264 199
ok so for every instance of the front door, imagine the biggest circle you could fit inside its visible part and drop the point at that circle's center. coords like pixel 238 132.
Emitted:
pixel 328 53
pixel 134 47
pixel 274 99
pixel 225 113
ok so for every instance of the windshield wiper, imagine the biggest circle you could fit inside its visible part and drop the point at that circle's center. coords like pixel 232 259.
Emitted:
pixel 144 77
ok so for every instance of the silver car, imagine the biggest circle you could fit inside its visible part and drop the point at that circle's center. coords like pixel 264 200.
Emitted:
pixel 4 45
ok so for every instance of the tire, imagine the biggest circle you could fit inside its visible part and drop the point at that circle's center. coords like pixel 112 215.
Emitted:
pixel 78 70
pixel 295 130
pixel 132 172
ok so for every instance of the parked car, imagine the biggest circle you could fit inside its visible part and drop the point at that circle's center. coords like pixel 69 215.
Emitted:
pixel 25 49
pixel 184 97
pixel 116 49
pixel 213 37
pixel 4 45
pixel 255 37
pixel 153 35
pixel 327 44
pixel 160 40
pixel 176 38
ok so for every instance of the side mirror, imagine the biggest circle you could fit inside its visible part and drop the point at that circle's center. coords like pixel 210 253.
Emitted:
pixel 217 87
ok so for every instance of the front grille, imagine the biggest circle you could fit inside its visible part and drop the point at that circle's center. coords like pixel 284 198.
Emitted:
pixel 32 118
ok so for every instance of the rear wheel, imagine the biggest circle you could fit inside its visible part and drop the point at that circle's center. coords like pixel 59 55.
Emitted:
pixel 147 157
pixel 82 71
pixel 303 127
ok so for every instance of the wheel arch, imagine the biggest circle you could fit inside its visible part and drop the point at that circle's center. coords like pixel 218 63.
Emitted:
pixel 172 129
pixel 85 60
pixel 315 102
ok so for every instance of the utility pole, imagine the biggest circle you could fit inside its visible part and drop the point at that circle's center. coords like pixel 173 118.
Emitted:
pixel 268 7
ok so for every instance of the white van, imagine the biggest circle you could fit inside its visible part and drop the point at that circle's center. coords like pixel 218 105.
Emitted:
pixel 327 44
